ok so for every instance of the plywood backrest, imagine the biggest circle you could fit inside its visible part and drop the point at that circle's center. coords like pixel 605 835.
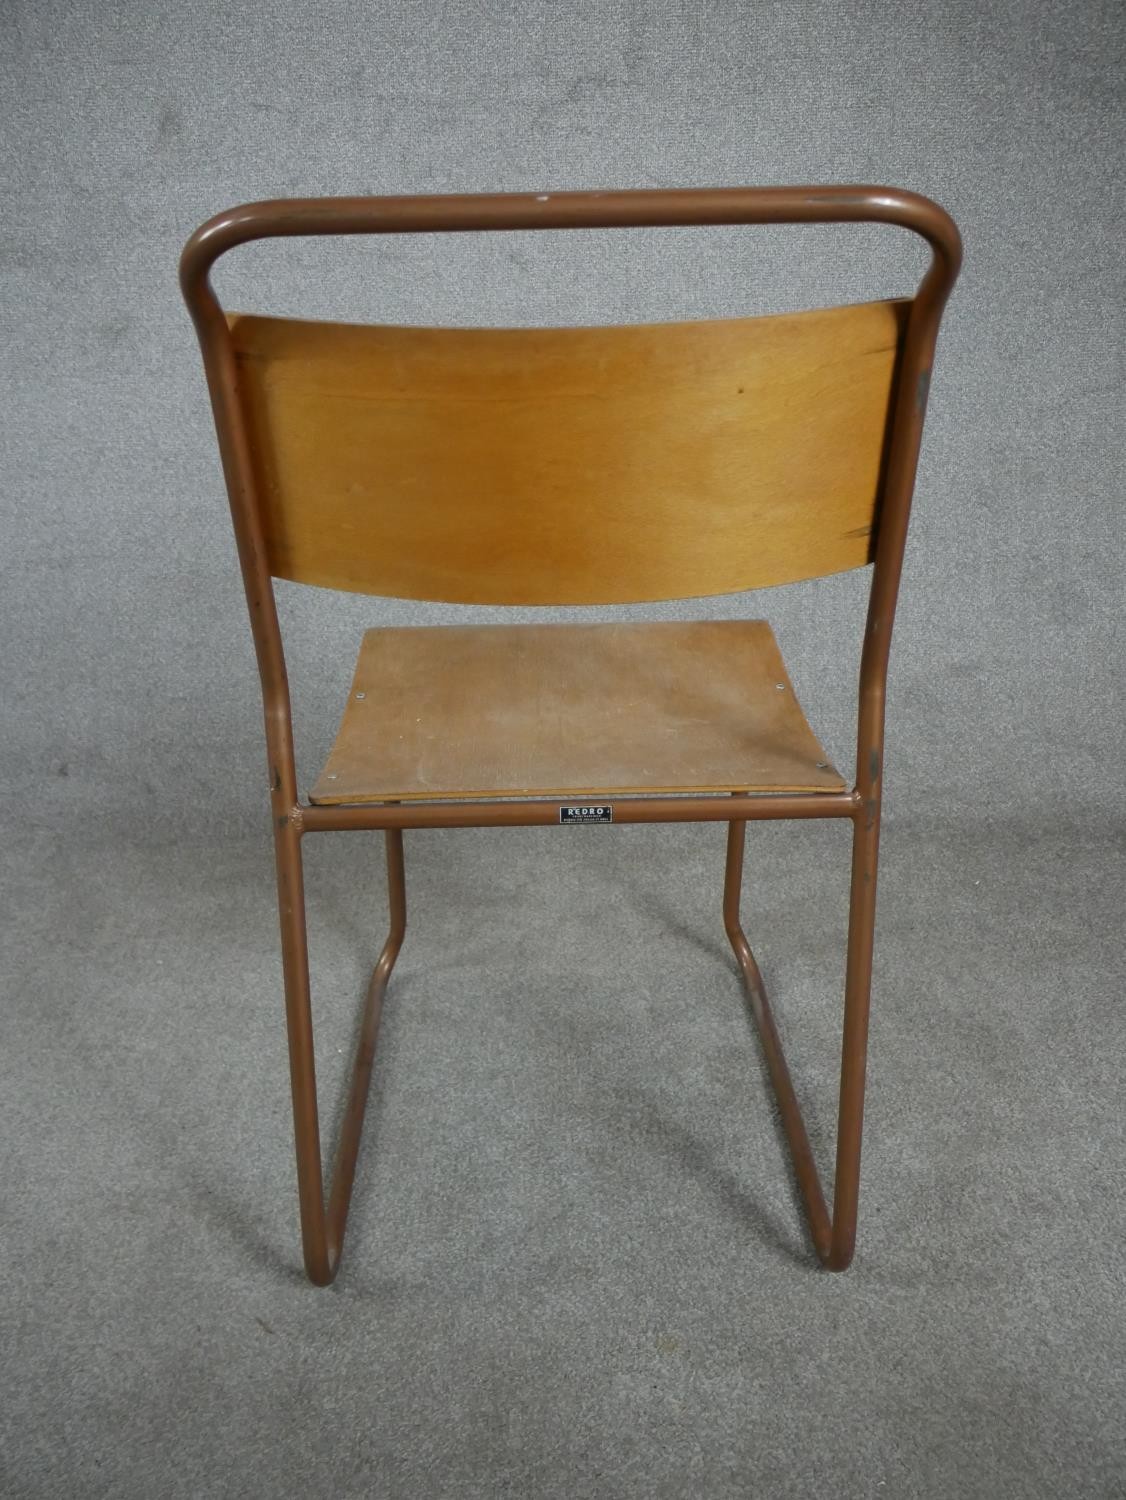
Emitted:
pixel 569 466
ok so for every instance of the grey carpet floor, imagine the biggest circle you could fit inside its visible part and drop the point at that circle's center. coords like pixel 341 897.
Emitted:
pixel 576 1266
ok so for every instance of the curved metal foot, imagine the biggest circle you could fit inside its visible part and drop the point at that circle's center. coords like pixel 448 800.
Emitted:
pixel 322 1230
pixel 833 1237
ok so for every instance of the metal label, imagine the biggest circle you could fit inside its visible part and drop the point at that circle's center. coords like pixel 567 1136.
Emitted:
pixel 586 812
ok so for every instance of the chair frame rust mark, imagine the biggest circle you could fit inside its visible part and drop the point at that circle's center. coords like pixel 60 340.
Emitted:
pixel 322 1226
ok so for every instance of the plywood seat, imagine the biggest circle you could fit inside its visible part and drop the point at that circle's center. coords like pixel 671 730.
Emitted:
pixel 572 711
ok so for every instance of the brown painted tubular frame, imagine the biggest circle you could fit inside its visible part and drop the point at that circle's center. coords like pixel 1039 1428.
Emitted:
pixel 833 1234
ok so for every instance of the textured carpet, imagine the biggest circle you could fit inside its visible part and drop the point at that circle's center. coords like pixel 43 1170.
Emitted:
pixel 575 1266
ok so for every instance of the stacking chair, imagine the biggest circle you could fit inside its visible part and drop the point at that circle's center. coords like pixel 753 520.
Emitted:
pixel 572 466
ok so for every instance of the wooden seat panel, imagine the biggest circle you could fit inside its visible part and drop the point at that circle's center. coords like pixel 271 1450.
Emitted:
pixel 572 711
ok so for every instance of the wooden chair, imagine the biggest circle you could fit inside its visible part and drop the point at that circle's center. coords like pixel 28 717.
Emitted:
pixel 561 467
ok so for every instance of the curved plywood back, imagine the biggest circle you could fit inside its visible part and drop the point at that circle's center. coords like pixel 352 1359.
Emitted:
pixel 573 465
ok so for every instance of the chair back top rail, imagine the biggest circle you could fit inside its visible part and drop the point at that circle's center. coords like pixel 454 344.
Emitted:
pixel 615 209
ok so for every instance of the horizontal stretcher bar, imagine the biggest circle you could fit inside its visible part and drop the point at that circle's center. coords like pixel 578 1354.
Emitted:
pixel 543 813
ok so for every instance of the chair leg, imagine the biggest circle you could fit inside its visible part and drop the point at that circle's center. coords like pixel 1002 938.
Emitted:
pixel 854 1045
pixel 833 1238
pixel 322 1233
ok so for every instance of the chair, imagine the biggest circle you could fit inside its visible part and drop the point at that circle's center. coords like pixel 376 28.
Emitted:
pixel 572 466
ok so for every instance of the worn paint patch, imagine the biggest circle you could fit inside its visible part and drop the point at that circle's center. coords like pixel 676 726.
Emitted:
pixel 922 389
pixel 860 199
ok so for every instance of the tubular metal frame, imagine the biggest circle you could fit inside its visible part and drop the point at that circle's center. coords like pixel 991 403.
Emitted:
pixel 322 1227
